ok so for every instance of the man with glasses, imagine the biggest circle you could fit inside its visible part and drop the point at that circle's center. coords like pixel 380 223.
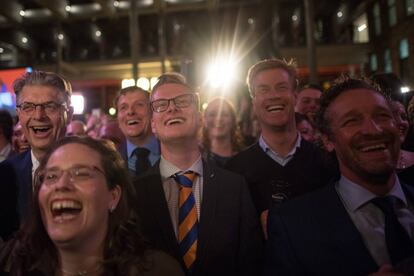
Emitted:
pixel 141 149
pixel 43 108
pixel 198 213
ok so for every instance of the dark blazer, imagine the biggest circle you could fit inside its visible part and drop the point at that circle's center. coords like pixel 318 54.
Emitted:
pixel 314 235
pixel 230 239
pixel 17 170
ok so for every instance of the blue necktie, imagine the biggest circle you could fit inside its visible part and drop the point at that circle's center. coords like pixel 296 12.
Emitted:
pixel 187 222
pixel 399 244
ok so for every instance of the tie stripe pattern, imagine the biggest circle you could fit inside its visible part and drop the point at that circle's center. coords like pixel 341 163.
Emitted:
pixel 187 221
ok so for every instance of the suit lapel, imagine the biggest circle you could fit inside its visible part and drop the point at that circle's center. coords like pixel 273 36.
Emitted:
pixel 24 169
pixel 208 207
pixel 344 232
pixel 159 206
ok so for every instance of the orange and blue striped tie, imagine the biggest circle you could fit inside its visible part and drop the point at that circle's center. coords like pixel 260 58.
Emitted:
pixel 187 221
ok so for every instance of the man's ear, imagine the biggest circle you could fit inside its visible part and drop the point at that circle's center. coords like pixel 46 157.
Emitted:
pixel 153 129
pixel 327 143
pixel 69 115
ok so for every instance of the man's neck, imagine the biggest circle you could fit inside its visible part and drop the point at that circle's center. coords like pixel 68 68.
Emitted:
pixel 281 141
pixel 141 140
pixel 379 185
pixel 38 154
pixel 181 155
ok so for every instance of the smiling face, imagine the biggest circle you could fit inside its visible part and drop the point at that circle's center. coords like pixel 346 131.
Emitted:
pixel 363 135
pixel 175 123
pixel 75 212
pixel 219 119
pixel 306 131
pixel 134 115
pixel 274 99
pixel 308 102
pixel 401 119
pixel 42 128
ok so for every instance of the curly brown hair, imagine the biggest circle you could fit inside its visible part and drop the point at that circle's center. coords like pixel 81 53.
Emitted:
pixel 124 246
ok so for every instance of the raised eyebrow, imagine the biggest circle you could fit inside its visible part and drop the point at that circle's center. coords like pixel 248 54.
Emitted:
pixel 282 83
pixel 349 114
pixel 263 86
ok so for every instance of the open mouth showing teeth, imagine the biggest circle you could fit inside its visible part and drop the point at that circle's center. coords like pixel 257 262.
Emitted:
pixel 41 129
pixel 65 207
pixel 274 108
pixel 378 147
pixel 132 122
pixel 174 121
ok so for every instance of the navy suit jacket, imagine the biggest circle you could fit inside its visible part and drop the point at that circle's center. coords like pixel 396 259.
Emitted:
pixel 17 171
pixel 314 235
pixel 229 241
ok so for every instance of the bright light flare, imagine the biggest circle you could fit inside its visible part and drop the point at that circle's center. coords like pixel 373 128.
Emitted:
pixel 127 83
pixel 78 103
pixel 405 89
pixel 221 73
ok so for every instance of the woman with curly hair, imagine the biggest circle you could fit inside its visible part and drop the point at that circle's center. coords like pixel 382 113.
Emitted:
pixel 80 222
pixel 221 135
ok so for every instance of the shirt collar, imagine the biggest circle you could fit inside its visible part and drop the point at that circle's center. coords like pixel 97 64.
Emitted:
pixel 152 145
pixel 354 195
pixel 265 147
pixel 4 152
pixel 35 162
pixel 167 169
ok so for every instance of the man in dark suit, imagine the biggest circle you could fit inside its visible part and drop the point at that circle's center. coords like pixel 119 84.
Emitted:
pixel 200 214
pixel 43 108
pixel 365 222
pixel 141 148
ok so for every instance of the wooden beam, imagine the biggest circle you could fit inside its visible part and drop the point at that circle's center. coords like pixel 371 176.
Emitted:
pixel 108 7
pixel 57 7
pixel 10 9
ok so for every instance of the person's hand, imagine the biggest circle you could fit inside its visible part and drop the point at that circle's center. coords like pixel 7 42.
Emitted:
pixel 263 222
pixel 386 270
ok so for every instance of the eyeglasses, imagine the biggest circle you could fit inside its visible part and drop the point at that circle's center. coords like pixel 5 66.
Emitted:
pixel 181 101
pixel 50 107
pixel 76 174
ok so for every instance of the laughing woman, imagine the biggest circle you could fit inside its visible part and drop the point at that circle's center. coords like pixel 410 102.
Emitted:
pixel 80 223
pixel 221 136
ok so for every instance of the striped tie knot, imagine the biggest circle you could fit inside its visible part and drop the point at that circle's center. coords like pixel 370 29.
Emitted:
pixel 185 179
pixel 187 221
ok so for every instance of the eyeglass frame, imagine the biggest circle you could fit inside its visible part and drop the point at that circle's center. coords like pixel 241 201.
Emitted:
pixel 194 99
pixel 43 106
pixel 70 171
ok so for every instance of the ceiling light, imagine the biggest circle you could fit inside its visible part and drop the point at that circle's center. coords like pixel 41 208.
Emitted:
pixel 60 36
pixel 294 17
pixel 339 14
pixel 68 8
pixel 112 111
pixel 1 50
pixel 24 40
pixel 98 33
pixel 116 3
pixel 362 27
pixel 22 13
pixel 405 89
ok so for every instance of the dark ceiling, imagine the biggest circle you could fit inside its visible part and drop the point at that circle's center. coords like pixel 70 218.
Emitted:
pixel 93 30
